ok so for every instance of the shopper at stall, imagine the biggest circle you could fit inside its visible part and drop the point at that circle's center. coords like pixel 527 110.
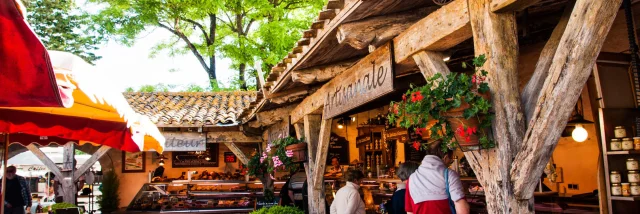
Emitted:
pixel 433 188
pixel 347 200
pixel 396 204
pixel 17 193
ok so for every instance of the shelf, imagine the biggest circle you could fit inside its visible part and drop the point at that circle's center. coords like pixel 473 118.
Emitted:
pixel 373 150
pixel 625 198
pixel 629 152
pixel 219 182
pixel 371 126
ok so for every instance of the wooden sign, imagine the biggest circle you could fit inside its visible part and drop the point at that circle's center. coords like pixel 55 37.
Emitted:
pixel 363 139
pixel 184 141
pixel 229 157
pixel 399 134
pixel 278 130
pixel 371 78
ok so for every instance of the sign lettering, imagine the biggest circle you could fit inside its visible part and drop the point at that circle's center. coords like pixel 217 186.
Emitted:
pixel 185 142
pixel 278 130
pixel 369 79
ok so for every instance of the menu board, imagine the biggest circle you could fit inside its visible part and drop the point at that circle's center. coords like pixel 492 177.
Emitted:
pixel 338 147
pixel 208 158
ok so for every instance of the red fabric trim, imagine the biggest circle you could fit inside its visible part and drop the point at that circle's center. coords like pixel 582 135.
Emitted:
pixel 113 134
pixel 26 76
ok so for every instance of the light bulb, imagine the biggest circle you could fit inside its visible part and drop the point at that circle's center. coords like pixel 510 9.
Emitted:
pixel 340 126
pixel 353 119
pixel 579 134
pixel 161 163
pixel 207 158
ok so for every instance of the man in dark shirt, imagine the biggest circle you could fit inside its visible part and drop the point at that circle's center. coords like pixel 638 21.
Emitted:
pixel 17 193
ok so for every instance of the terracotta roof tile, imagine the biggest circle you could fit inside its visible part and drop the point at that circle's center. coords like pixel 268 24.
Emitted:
pixel 191 108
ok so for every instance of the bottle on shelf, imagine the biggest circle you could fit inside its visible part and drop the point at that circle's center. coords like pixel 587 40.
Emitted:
pixel 455 165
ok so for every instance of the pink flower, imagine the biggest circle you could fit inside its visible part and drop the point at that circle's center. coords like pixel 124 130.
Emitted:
pixel 289 153
pixel 264 156
pixel 269 147
pixel 276 161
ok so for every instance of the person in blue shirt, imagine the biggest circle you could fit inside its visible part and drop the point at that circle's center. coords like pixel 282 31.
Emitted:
pixel 396 204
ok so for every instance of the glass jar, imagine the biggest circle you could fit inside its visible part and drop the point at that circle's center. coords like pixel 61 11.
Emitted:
pixel 632 164
pixel 626 189
pixel 635 189
pixel 616 145
pixel 636 143
pixel 615 177
pixel 616 189
pixel 627 144
pixel 633 177
pixel 620 132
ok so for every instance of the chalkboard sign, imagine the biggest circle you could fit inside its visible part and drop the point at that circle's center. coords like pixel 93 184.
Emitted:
pixel 411 154
pixel 208 158
pixel 338 147
pixel 229 157
pixel 261 202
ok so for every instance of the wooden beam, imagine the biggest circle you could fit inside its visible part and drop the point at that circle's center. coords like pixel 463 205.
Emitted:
pixel 318 24
pixel 238 152
pixel 327 14
pixel 231 137
pixel 299 130
pixel 45 160
pixel 270 117
pixel 321 157
pixel 303 42
pixel 499 6
pixel 532 90
pixel 312 135
pixel 496 36
pixel 316 179
pixel 431 63
pixel 298 49
pixel 378 30
pixel 335 4
pixel 321 73
pixel 439 31
pixel 310 33
pixel 68 154
pixel 576 54
pixel 92 160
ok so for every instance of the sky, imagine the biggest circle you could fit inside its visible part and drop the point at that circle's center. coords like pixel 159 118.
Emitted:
pixel 133 67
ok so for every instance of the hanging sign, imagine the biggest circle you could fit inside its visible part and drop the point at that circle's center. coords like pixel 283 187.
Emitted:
pixel 185 142
pixel 363 139
pixel 399 134
pixel 365 81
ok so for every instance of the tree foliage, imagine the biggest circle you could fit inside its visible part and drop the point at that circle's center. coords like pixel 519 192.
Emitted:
pixel 61 26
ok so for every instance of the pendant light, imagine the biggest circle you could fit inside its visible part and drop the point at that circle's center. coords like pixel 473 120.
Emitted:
pixel 575 124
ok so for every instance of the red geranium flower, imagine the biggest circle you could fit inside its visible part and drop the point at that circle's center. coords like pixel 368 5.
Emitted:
pixel 404 97
pixel 416 145
pixel 416 96
pixel 395 108
pixel 471 130
pixel 460 130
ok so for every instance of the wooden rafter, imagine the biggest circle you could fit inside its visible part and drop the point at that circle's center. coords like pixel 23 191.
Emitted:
pixel 238 152
pixel 92 160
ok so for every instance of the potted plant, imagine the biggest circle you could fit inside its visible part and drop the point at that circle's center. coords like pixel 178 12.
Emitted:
pixel 276 157
pixel 454 110
pixel 278 210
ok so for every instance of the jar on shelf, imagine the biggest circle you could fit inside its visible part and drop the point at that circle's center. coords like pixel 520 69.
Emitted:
pixel 635 189
pixel 632 164
pixel 615 177
pixel 636 143
pixel 633 177
pixel 620 132
pixel 627 144
pixel 626 189
pixel 616 145
pixel 616 189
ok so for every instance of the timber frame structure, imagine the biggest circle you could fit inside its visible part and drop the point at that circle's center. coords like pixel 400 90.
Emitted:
pixel 528 123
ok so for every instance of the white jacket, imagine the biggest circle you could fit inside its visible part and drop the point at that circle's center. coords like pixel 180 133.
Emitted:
pixel 348 200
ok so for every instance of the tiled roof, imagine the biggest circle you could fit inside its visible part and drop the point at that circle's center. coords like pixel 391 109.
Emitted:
pixel 191 108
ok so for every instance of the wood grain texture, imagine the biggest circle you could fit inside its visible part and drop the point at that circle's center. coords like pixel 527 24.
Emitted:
pixel 68 154
pixel 270 117
pixel 312 127
pixel 499 6
pixel 496 36
pixel 378 30
pixel 532 90
pixel 238 152
pixel 576 54
pixel 319 74
pixel 92 160
pixel 439 31
pixel 431 63
pixel 231 137
pixel 317 198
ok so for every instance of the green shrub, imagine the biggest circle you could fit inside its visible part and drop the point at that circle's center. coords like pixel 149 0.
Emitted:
pixel 278 210
pixel 109 200
pixel 54 207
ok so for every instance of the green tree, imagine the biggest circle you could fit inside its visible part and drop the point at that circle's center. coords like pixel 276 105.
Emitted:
pixel 192 23
pixel 262 29
pixel 109 201
pixel 61 26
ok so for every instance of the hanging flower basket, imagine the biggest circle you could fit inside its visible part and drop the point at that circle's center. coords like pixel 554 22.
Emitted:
pixel 454 110
pixel 298 151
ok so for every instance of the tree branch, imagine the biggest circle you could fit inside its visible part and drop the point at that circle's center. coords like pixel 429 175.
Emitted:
pixel 189 44
pixel 204 32
pixel 246 30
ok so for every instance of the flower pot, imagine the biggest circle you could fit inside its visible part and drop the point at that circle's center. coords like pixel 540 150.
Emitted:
pixel 299 151
pixel 465 140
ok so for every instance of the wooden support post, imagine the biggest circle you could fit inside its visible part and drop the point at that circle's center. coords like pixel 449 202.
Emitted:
pixel 45 160
pixel 299 127
pixel 238 152
pixel 316 180
pixel 69 188
pixel 311 134
pixel 92 160
pixel 431 63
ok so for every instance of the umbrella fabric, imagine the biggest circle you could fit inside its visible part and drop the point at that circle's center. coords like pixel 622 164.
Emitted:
pixel 98 115
pixel 26 76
